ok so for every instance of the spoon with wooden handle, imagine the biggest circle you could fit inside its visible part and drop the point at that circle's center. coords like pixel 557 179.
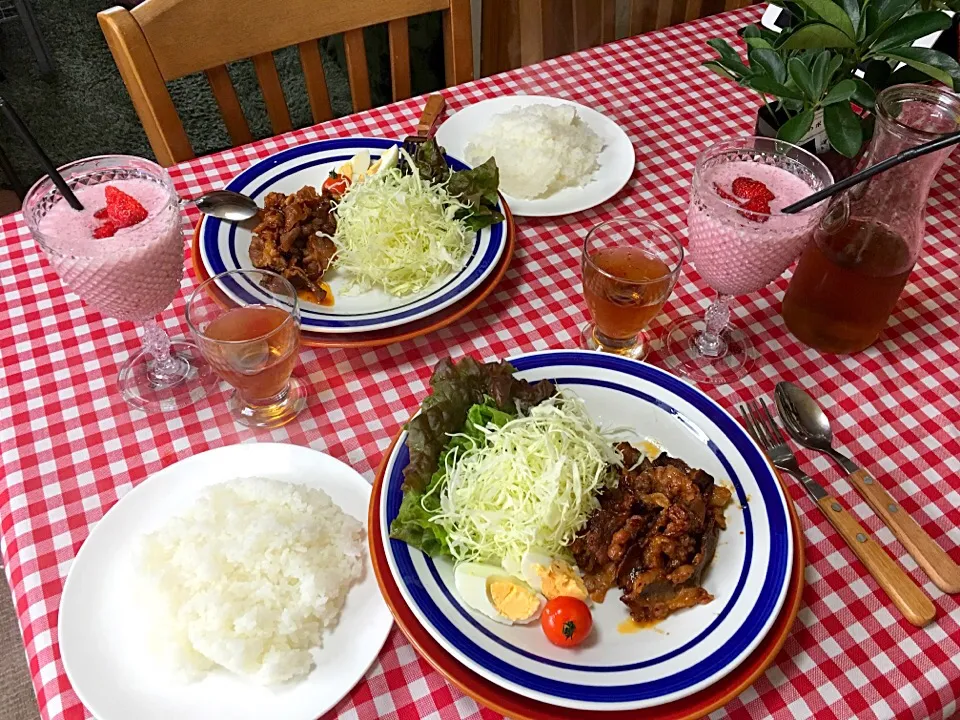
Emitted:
pixel 809 425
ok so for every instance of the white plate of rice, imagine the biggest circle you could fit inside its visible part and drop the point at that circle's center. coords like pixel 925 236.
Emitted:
pixel 250 557
pixel 555 159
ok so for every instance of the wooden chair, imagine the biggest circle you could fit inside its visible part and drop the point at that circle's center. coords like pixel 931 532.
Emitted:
pixel 523 32
pixel 162 40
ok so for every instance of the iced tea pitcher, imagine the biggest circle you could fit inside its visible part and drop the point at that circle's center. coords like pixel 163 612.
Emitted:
pixel 849 278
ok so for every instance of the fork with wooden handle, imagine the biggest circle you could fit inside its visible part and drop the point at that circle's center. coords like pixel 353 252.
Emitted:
pixel 809 425
pixel 900 587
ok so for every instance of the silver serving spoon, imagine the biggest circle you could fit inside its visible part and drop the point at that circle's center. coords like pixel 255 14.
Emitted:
pixel 809 425
pixel 226 205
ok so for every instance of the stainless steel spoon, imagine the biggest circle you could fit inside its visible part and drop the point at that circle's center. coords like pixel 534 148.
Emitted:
pixel 226 205
pixel 809 425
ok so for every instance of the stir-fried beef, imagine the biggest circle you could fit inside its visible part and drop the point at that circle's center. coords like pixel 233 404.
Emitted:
pixel 292 237
pixel 653 536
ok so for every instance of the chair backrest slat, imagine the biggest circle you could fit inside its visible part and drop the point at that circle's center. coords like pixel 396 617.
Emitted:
pixel 187 36
pixel 608 27
pixel 147 87
pixel 594 22
pixel 531 31
pixel 272 92
pixel 356 53
pixel 162 40
pixel 457 41
pixel 226 96
pixel 399 58
pixel 315 80
pixel 693 10
pixel 587 24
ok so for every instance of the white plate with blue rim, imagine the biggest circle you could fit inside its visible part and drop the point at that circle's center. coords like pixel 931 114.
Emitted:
pixel 225 246
pixel 692 648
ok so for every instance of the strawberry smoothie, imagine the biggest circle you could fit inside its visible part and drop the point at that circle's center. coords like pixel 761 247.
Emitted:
pixel 126 260
pixel 739 241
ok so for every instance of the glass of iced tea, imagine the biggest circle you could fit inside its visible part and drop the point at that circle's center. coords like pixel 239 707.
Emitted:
pixel 252 347
pixel 629 269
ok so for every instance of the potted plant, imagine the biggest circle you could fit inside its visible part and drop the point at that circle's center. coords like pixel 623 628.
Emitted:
pixel 807 75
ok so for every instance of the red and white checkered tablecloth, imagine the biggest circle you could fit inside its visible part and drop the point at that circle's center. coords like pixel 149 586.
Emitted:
pixel 71 447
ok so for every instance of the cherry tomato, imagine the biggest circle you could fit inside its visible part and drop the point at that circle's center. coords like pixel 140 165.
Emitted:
pixel 336 184
pixel 566 621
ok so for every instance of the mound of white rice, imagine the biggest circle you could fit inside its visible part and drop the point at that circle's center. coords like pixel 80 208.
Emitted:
pixel 249 578
pixel 539 149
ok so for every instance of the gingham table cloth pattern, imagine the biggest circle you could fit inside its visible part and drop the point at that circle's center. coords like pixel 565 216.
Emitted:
pixel 71 447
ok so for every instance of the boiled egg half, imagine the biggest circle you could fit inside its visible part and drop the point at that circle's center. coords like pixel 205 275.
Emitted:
pixel 548 575
pixel 494 593
pixel 386 161
pixel 359 166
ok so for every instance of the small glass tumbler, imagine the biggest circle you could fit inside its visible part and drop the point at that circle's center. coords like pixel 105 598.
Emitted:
pixel 253 347
pixel 629 269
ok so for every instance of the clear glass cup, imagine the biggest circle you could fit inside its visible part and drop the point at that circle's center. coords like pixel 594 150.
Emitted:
pixel 133 275
pixel 629 269
pixel 738 248
pixel 253 347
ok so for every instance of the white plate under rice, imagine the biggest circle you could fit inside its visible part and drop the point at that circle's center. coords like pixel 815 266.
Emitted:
pixel 249 579
pixel 539 149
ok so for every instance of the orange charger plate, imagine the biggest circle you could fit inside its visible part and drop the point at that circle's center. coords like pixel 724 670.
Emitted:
pixel 387 336
pixel 519 707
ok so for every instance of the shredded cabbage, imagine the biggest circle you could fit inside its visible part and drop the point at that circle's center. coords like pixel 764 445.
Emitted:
pixel 531 482
pixel 398 232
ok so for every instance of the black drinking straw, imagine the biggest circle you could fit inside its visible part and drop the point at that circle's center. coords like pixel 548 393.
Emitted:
pixel 57 178
pixel 867 173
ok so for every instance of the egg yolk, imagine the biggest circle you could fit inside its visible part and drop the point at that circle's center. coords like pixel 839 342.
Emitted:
pixel 560 580
pixel 514 602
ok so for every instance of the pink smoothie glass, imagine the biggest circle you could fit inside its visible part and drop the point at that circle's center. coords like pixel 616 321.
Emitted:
pixel 132 275
pixel 738 250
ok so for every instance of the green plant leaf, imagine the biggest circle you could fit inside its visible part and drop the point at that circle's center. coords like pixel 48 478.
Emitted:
pixel 817 35
pixel 769 86
pixel 903 32
pixel 729 57
pixel 841 92
pixel 770 61
pixel 719 70
pixel 758 43
pixel 862 28
pixel 907 74
pixel 852 9
pixel 833 14
pixel 750 31
pixel 936 64
pixel 843 129
pixel 885 14
pixel 793 130
pixel 792 106
pixel 819 72
pixel 888 10
pixel 835 62
pixel 800 74
pixel 864 96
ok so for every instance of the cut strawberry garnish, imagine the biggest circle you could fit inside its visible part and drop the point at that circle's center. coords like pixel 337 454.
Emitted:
pixel 750 189
pixel 122 209
pixel 108 229
pixel 756 209
pixel 725 195
pixel 101 214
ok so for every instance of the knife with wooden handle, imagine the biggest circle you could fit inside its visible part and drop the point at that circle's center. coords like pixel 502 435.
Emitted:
pixel 934 560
